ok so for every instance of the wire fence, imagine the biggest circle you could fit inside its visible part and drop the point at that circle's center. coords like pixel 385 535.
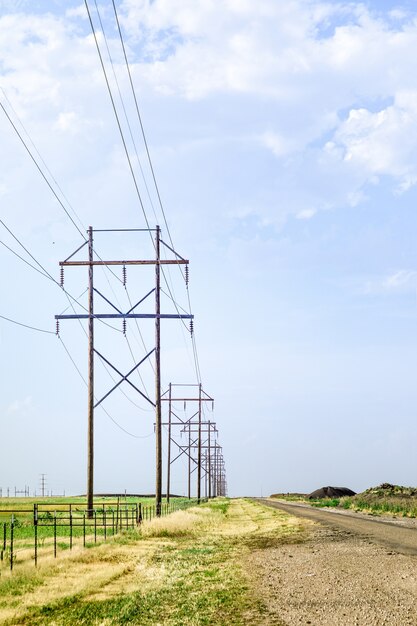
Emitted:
pixel 30 534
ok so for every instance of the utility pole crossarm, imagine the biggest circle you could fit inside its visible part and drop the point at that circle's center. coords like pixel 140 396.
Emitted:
pixel 130 262
pixel 126 316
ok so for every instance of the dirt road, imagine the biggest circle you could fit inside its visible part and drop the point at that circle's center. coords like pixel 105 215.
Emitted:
pixel 347 571
pixel 394 534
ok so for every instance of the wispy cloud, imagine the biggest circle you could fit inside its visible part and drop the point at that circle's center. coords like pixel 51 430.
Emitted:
pixel 398 282
pixel 20 407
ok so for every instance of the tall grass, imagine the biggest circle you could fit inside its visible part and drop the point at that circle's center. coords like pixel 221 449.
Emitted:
pixel 405 507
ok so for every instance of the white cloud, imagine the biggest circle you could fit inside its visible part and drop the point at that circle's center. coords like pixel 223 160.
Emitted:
pixel 382 142
pixel 20 407
pixel 306 214
pixel 402 279
pixel 79 11
pixel 306 81
pixel 398 282
pixel 278 144
pixel 66 121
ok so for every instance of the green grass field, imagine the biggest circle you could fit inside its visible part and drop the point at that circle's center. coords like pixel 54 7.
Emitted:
pixel 62 524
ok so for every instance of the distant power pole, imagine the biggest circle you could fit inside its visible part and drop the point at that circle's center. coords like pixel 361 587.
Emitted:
pixel 43 485
pixel 130 314
pixel 186 425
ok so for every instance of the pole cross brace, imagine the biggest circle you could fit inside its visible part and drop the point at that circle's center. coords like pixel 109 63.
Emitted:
pixel 124 377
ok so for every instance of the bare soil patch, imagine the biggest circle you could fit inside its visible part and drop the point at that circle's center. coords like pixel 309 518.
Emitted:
pixel 335 578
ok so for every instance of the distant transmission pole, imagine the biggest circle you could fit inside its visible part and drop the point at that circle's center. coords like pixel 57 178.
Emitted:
pixel 186 424
pixel 43 484
pixel 130 314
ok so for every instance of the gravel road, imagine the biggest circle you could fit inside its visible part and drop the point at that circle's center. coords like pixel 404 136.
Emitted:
pixel 398 534
pixel 350 571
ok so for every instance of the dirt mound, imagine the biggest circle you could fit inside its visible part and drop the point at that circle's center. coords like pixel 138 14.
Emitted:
pixel 331 492
pixel 387 489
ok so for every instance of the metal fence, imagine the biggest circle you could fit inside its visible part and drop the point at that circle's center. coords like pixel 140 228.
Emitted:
pixel 49 530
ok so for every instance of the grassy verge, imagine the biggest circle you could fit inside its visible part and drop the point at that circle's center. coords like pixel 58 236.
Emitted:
pixel 405 507
pixel 386 499
pixel 187 569
pixel 325 502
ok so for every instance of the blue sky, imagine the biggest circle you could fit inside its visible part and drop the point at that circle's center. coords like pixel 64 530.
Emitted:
pixel 284 137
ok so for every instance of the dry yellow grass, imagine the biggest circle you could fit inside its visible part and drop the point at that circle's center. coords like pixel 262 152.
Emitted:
pixel 182 523
pixel 203 547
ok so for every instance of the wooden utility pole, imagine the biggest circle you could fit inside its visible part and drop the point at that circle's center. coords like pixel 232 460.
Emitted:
pixel 199 446
pixel 209 461
pixel 90 436
pixel 158 420
pixel 169 442
pixel 189 462
pixel 215 472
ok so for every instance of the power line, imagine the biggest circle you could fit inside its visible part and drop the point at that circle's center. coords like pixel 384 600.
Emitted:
pixel 116 114
pixel 122 136
pixel 45 272
pixel 40 330
pixel 41 171
pixel 24 260
pixel 48 275
pixel 153 172
pixel 49 185
pixel 41 158
pixel 124 109
pixel 196 361
pixel 140 122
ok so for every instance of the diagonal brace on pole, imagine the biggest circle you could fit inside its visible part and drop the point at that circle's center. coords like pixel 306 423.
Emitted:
pixel 124 377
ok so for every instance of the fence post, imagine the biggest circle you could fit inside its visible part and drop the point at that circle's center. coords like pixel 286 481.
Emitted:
pixel 11 542
pixel 35 525
pixel 104 522
pixel 3 550
pixel 36 544
pixel 84 529
pixel 55 535
pixel 70 521
pixel 95 526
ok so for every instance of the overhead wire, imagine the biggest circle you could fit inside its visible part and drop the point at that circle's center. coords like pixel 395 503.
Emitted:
pixel 41 171
pixel 104 268
pixel 197 366
pixel 140 120
pixel 124 109
pixel 24 260
pixel 39 168
pixel 40 330
pixel 116 114
pixel 41 157
pixel 119 122
pixel 121 130
pixel 45 272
